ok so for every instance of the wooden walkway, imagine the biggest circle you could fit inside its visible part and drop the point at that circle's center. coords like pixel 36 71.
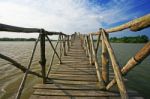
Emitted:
pixel 75 79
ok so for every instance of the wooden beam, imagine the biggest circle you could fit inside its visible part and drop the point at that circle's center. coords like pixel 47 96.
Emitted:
pixel 43 58
pixel 97 44
pixel 89 50
pixel 117 72
pixel 134 25
pixel 9 28
pixel 18 65
pixel 99 76
pixel 105 62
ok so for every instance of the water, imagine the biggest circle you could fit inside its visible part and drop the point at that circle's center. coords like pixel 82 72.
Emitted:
pixel 11 76
pixel 138 78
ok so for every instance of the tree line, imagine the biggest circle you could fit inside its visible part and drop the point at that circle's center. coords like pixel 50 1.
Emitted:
pixel 17 39
pixel 135 39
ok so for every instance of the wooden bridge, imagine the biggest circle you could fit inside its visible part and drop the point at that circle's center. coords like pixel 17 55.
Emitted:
pixel 75 78
pixel 79 75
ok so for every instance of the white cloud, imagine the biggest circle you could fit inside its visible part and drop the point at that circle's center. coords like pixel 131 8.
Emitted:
pixel 67 16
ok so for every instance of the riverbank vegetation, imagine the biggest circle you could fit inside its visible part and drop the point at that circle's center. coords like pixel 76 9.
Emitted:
pixel 135 39
pixel 17 39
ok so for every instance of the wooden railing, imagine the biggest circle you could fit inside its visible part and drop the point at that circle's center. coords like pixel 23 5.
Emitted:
pixel 107 51
pixel 64 41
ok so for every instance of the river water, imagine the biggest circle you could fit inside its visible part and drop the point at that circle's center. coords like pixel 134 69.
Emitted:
pixel 138 78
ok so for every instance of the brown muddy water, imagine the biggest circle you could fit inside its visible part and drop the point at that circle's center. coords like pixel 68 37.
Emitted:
pixel 138 78
pixel 10 76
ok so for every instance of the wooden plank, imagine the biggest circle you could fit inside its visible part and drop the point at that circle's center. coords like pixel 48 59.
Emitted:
pixel 82 93
pixel 67 87
pixel 73 73
pixel 74 82
pixel 73 97
pixel 74 79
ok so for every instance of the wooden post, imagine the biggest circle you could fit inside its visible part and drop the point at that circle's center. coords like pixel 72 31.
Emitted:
pixel 97 44
pixel 96 64
pixel 60 46
pixel 117 72
pixel 68 43
pixel 64 46
pixel 105 63
pixel 43 58
pixel 81 40
pixel 86 47
pixel 89 49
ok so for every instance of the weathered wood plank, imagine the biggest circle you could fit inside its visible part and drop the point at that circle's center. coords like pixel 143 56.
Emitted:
pixel 67 87
pixel 73 97
pixel 74 93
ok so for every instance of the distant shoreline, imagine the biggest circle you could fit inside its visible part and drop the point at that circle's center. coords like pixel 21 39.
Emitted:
pixel 20 39
pixel 135 39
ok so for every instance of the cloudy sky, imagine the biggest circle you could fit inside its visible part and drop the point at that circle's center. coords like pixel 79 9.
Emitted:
pixel 69 16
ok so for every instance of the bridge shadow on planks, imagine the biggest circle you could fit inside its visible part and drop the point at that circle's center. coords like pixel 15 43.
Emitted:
pixel 75 79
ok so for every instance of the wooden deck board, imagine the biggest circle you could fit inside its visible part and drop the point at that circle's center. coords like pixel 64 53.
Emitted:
pixel 75 78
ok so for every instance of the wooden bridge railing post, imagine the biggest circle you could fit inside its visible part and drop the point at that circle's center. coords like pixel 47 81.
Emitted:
pixel 89 50
pixel 64 46
pixel 105 62
pixel 60 46
pixel 43 58
pixel 85 45
pixel 117 71
pixel 99 76
pixel 68 44
pixel 97 44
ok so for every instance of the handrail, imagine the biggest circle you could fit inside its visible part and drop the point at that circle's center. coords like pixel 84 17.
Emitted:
pixel 134 25
pixel 9 28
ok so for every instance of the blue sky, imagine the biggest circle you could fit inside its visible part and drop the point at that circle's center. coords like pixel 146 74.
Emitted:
pixel 68 16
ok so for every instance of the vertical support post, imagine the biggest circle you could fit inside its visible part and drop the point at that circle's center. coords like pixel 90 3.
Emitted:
pixel 64 46
pixel 96 64
pixel 68 42
pixel 60 46
pixel 97 44
pixel 85 45
pixel 81 40
pixel 43 59
pixel 89 46
pixel 116 68
pixel 105 62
